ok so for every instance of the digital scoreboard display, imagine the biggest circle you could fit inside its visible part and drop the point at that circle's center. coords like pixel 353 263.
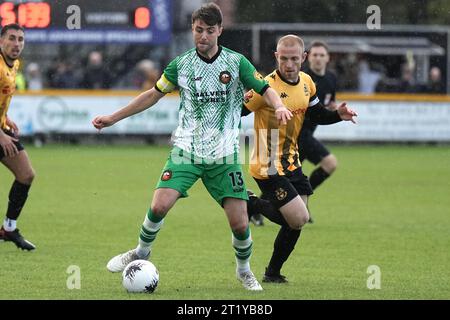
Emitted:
pixel 91 21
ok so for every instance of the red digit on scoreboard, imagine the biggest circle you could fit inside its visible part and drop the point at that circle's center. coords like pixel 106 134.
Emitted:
pixel 142 18
pixel 25 15
pixel 34 15
pixel 7 13
pixel 44 16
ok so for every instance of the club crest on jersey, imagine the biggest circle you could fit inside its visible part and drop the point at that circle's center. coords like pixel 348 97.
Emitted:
pixel 306 89
pixel 225 77
pixel 166 175
pixel 281 194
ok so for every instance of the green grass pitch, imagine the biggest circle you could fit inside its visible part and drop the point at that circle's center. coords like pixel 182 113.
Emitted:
pixel 386 206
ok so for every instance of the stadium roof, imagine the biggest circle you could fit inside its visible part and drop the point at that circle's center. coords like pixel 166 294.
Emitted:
pixel 380 45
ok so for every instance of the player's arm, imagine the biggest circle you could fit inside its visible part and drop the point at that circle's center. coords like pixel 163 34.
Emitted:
pixel 273 99
pixel 245 108
pixel 142 102
pixel 332 105
pixel 145 100
pixel 318 114
pixel 252 79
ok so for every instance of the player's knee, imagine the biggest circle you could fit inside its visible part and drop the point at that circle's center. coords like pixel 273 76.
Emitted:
pixel 26 177
pixel 334 163
pixel 239 227
pixel 160 209
pixel 299 223
pixel 304 220
pixel 330 164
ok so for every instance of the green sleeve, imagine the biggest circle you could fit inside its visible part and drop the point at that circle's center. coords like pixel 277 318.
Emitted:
pixel 251 78
pixel 171 72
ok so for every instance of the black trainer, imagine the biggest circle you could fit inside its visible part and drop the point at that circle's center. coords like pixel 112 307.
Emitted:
pixel 255 217
pixel 17 239
pixel 274 278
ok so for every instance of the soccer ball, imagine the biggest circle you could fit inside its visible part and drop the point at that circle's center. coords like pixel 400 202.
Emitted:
pixel 140 276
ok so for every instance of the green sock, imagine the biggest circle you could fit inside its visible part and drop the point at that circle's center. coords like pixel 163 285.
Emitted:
pixel 242 244
pixel 150 228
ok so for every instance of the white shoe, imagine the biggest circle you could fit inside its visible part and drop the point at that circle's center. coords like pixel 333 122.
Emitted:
pixel 119 262
pixel 249 281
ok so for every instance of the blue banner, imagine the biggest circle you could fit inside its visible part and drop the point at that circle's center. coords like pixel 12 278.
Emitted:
pixel 158 32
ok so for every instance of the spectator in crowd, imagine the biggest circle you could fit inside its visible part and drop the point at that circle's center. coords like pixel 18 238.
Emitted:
pixel 347 69
pixel 367 78
pixel 406 83
pixel 407 80
pixel 435 83
pixel 33 77
pixel 62 76
pixel 148 74
pixel 96 74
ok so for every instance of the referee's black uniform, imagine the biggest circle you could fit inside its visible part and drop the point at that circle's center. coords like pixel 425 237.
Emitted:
pixel 309 147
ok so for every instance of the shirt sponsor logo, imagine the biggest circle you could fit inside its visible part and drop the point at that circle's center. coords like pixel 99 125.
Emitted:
pixel 298 111
pixel 212 96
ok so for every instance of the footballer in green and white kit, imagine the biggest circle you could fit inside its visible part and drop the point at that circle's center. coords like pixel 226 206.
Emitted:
pixel 207 137
pixel 211 80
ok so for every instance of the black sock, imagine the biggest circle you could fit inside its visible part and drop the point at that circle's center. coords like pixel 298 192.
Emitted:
pixel 283 246
pixel 264 207
pixel 17 197
pixel 317 177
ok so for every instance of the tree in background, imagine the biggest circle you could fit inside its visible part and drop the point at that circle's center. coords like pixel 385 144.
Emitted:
pixel 342 11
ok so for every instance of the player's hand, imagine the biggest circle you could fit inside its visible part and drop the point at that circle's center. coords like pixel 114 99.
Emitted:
pixel 248 95
pixel 283 115
pixel 13 126
pixel 332 106
pixel 101 122
pixel 8 146
pixel 346 113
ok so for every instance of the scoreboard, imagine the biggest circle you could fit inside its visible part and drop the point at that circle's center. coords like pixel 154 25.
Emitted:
pixel 148 21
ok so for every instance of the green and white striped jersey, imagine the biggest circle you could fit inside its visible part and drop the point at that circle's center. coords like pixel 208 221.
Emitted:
pixel 211 93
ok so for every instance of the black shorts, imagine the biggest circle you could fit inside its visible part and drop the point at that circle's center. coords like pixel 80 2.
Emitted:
pixel 279 190
pixel 19 146
pixel 310 148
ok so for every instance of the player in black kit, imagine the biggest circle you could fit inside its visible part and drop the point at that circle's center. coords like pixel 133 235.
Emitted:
pixel 310 148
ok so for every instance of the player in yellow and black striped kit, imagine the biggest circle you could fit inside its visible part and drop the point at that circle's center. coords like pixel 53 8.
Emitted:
pixel 275 163
pixel 12 153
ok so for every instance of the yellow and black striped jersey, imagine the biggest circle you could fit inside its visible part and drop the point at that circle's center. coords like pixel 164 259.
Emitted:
pixel 7 87
pixel 275 149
